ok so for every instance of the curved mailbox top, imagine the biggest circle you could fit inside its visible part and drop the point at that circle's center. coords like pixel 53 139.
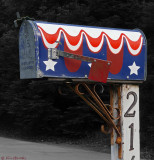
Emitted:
pixel 125 49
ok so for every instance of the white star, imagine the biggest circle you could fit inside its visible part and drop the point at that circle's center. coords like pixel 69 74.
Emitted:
pixel 50 64
pixel 134 69
pixel 89 64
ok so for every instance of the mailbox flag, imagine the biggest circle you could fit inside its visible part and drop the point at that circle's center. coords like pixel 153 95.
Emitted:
pixel 99 71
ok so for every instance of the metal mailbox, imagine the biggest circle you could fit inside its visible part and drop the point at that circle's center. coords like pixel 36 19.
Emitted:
pixel 80 53
pixel 125 49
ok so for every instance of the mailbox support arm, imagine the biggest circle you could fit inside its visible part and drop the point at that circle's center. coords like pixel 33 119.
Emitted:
pixel 93 100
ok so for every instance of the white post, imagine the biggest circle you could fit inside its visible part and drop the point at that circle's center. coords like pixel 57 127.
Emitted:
pixel 129 101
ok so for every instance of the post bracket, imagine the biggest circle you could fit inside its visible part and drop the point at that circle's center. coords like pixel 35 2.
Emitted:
pixel 91 97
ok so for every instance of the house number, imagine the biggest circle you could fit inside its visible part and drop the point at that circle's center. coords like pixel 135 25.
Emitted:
pixel 131 136
pixel 130 113
pixel 133 158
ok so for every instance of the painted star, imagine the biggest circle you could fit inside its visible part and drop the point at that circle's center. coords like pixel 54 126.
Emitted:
pixel 134 69
pixel 50 64
pixel 89 64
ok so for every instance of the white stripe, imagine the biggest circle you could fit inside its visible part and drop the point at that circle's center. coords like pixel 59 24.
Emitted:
pixel 93 49
pixel 48 45
pixel 71 47
pixel 93 32
pixel 132 51
pixel 113 50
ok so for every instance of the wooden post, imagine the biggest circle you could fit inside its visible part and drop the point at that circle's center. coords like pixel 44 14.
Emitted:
pixel 129 122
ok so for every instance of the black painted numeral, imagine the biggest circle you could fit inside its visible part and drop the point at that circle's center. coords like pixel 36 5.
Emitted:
pixel 131 136
pixel 127 114
pixel 133 158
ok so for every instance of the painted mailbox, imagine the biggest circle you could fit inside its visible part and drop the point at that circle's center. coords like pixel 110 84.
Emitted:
pixel 81 53
pixel 125 49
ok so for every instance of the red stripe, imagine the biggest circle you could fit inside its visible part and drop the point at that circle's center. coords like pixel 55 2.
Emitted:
pixel 71 64
pixel 116 59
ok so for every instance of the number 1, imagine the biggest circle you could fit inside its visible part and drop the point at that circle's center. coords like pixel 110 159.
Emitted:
pixel 133 158
pixel 131 136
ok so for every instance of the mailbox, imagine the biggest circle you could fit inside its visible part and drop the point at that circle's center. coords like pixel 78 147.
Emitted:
pixel 126 50
pixel 83 53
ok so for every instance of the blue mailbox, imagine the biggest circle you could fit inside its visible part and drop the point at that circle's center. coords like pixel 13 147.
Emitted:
pixel 47 49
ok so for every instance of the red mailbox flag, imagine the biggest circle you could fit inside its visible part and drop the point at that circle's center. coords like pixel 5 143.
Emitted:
pixel 99 70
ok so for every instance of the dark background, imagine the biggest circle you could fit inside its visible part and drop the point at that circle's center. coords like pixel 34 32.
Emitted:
pixel 34 108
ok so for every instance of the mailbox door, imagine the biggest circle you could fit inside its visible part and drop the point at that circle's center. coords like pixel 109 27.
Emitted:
pixel 28 50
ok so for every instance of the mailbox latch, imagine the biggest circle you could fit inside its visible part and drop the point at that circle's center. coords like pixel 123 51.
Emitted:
pixel 53 53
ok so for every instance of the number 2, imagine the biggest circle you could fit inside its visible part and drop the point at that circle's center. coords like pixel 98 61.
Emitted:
pixel 127 114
